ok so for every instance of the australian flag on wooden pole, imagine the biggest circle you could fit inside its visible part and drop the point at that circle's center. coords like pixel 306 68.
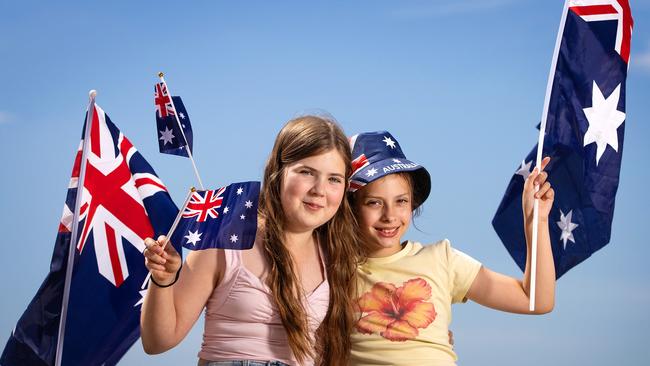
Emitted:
pixel 87 311
pixel 583 122
pixel 173 124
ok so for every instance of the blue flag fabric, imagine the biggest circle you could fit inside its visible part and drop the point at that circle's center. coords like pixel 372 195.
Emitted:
pixel 170 137
pixel 584 137
pixel 222 218
pixel 122 202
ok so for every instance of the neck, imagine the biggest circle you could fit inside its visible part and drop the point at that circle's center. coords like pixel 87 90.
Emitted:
pixel 385 252
pixel 293 240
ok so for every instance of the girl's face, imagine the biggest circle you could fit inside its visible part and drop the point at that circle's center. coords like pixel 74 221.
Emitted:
pixel 384 210
pixel 312 190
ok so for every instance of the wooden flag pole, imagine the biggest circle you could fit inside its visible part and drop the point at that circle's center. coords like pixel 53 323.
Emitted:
pixel 180 126
pixel 540 147
pixel 178 217
pixel 74 229
pixel 171 230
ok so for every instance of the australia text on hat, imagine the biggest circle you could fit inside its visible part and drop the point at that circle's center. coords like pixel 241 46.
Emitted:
pixel 399 166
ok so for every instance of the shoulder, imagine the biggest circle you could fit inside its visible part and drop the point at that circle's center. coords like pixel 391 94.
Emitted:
pixel 442 251
pixel 440 247
pixel 209 264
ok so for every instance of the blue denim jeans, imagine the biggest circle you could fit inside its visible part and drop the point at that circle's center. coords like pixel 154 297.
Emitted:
pixel 242 363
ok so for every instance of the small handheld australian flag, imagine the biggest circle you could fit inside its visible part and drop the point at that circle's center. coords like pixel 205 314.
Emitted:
pixel 223 218
pixel 171 140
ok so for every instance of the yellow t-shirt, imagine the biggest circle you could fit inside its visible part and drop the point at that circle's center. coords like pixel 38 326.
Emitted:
pixel 405 305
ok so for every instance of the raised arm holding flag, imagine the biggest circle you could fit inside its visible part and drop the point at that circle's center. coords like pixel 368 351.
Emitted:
pixel 582 130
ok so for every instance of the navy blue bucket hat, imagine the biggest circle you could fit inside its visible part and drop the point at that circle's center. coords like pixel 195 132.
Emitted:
pixel 377 154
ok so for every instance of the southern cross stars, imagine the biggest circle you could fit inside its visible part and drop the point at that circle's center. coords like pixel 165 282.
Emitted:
pixel 240 190
pixel 567 227
pixel 389 142
pixel 604 119
pixel 524 169
pixel 143 293
pixel 371 172
pixel 166 136
pixel 233 238
pixel 248 204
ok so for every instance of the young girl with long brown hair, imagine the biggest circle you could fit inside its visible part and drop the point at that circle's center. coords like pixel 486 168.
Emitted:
pixel 288 300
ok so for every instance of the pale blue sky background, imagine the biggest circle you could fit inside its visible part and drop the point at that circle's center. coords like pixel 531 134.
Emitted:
pixel 460 84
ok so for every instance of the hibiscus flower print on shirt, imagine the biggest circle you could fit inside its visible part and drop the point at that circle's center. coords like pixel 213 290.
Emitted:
pixel 396 313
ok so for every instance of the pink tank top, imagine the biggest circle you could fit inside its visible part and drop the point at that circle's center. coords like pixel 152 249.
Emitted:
pixel 241 319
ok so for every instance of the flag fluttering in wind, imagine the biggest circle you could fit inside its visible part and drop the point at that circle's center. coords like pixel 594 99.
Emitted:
pixel 173 125
pixel 221 218
pixel 121 202
pixel 171 140
pixel 584 130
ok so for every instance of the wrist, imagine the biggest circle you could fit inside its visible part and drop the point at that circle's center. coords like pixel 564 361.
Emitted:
pixel 528 220
pixel 162 285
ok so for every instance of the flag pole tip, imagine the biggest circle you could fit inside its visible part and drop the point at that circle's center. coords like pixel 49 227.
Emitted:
pixel 193 189
pixel 160 74
pixel 92 94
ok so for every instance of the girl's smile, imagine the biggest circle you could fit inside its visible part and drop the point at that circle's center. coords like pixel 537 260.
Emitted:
pixel 384 210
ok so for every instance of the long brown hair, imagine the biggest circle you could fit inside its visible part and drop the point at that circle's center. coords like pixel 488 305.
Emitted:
pixel 301 138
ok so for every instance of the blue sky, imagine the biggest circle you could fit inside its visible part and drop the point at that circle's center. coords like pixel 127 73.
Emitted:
pixel 460 84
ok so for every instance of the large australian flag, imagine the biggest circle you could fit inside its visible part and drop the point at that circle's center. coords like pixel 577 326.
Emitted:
pixel 584 136
pixel 171 139
pixel 222 218
pixel 122 202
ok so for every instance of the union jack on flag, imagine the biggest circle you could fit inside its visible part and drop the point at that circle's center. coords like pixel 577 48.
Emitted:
pixel 112 205
pixel 358 163
pixel 221 218
pixel 163 101
pixel 584 135
pixel 204 206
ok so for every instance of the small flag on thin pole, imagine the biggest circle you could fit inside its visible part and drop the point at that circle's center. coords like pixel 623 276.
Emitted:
pixel 173 124
pixel 222 218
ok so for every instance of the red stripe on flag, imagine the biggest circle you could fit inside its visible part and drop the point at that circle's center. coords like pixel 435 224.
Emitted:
pixel 593 10
pixel 76 167
pixel 359 163
pixel 628 24
pixel 143 181
pixel 125 146
pixel 83 209
pixel 63 229
pixel 113 255
pixel 94 134
pixel 355 185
